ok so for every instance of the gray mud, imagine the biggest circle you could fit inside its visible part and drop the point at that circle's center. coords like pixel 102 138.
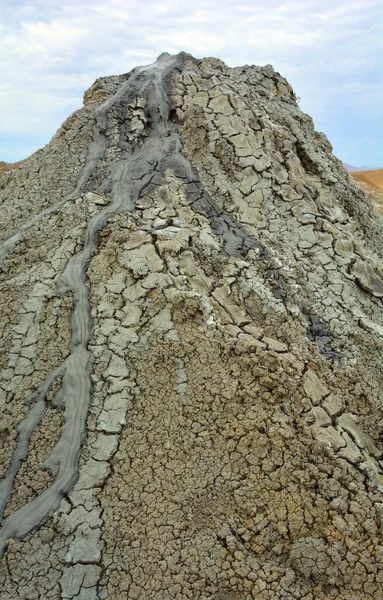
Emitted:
pixel 127 181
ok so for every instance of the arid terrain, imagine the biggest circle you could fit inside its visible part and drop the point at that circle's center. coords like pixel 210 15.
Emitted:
pixel 372 183
pixel 373 177
pixel 4 166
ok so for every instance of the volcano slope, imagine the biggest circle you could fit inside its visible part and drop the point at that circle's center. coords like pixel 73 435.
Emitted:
pixel 192 337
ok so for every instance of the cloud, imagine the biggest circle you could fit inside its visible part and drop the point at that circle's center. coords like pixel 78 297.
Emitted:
pixel 52 51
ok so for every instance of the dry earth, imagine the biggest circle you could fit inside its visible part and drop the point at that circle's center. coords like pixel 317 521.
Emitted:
pixel 8 166
pixel 371 182
pixel 374 177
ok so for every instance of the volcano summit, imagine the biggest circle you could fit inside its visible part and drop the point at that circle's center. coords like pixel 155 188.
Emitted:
pixel 192 336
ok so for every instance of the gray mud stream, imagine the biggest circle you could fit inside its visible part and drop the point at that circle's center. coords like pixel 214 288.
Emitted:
pixel 126 184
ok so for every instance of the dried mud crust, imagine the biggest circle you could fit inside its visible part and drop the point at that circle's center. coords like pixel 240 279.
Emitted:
pixel 47 176
pixel 33 478
pixel 207 415
pixel 35 321
pixel 226 325
pixel 224 491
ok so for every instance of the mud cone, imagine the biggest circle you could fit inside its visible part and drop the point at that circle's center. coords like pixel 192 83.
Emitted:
pixel 192 350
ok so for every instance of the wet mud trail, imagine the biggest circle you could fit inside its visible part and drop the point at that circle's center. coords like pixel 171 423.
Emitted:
pixel 75 394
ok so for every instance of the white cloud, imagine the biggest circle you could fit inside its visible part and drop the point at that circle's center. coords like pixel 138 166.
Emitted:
pixel 51 51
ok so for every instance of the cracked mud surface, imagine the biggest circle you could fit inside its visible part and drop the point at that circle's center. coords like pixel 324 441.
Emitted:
pixel 193 330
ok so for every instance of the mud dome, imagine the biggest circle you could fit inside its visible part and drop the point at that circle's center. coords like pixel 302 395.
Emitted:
pixel 192 337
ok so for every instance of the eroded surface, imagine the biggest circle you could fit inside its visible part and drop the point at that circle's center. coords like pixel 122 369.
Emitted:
pixel 221 367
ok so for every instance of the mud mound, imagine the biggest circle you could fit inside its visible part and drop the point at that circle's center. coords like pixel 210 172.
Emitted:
pixel 192 337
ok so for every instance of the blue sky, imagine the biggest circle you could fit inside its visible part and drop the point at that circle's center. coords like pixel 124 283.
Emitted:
pixel 331 51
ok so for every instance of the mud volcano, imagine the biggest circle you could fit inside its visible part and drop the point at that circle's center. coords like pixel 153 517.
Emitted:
pixel 192 331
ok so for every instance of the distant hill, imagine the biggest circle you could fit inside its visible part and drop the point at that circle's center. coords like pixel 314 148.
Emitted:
pixel 371 183
pixel 352 169
pixel 4 166
pixel 373 177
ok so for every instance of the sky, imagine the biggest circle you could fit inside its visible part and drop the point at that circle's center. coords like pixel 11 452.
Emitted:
pixel 331 51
